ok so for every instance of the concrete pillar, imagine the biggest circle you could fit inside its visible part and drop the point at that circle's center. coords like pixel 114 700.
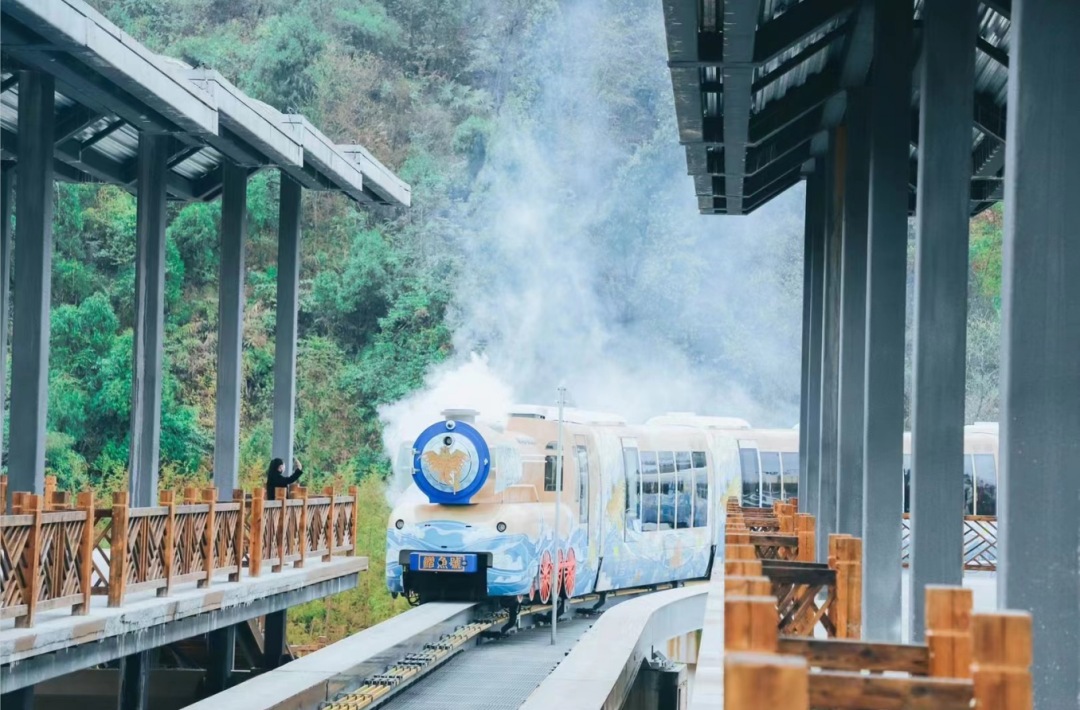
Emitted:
pixel 274 643
pixel 230 329
pixel 135 681
pixel 815 201
pixel 890 116
pixel 21 699
pixel 146 375
pixel 659 685
pixel 33 284
pixel 807 301
pixel 288 289
pixel 941 280
pixel 1040 425
pixel 830 344
pixel 853 318
pixel 7 180
pixel 219 672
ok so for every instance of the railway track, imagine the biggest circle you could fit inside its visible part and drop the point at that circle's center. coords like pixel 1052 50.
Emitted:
pixel 526 667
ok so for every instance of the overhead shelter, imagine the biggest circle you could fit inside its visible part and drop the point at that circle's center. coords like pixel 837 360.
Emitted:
pixel 81 101
pixel 936 109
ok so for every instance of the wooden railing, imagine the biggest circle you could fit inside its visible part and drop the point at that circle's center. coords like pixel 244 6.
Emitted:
pixel 969 660
pixel 59 555
pixel 980 542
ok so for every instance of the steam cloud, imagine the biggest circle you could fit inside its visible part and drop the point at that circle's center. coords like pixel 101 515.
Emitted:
pixel 586 262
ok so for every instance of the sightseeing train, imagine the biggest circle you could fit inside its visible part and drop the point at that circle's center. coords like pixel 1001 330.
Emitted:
pixel 640 504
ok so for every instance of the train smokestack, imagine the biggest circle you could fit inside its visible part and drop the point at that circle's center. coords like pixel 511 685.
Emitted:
pixel 460 415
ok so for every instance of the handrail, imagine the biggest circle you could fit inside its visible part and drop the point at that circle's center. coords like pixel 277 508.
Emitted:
pixel 53 556
pixel 980 542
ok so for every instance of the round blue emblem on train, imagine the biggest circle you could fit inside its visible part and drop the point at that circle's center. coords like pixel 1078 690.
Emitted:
pixel 451 462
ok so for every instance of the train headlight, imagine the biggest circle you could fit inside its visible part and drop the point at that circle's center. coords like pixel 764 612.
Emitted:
pixel 501 527
pixel 399 524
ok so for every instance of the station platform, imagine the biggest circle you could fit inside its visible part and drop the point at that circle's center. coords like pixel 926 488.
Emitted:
pixel 61 643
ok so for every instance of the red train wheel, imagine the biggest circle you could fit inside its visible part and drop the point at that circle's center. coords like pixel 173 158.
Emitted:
pixel 545 577
pixel 532 590
pixel 570 575
pixel 559 577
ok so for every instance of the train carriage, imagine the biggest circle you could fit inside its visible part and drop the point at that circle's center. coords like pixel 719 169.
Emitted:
pixel 641 505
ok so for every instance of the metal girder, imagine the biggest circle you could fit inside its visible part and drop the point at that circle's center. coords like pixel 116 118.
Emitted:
pixel 996 53
pixel 104 133
pixel 800 21
pixel 740 27
pixel 794 105
pixel 1001 7
pixel 9 83
pixel 988 158
pixel 777 169
pixel 72 121
pixel 752 202
pixel 860 48
pixel 797 133
pixel 989 117
pixel 809 51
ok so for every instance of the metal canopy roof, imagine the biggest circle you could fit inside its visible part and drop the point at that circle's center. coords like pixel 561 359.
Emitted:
pixel 109 88
pixel 757 83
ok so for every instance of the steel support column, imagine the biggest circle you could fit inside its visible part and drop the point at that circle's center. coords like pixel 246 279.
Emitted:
pixel 807 307
pixel 815 199
pixel 288 289
pixel 135 681
pixel 830 344
pixel 941 281
pixel 1040 425
pixel 21 699
pixel 33 283
pixel 219 672
pixel 890 104
pixel 274 645
pixel 146 375
pixel 853 319
pixel 7 180
pixel 230 329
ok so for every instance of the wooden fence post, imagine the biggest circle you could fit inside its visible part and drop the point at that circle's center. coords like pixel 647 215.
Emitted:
pixel 740 552
pixel 258 501
pixel 742 568
pixel 238 538
pixel 209 497
pixel 1001 670
pixel 329 529
pixel 280 529
pixel 50 488
pixel 31 505
pixel 301 493
pixel 739 586
pixel 751 624
pixel 168 499
pixel 86 552
pixel 948 631
pixel 766 681
pixel 354 491
pixel 805 527
pixel 191 495
pixel 118 549
pixel 3 494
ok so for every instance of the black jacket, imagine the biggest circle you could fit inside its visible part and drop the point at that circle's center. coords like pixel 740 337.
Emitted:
pixel 276 479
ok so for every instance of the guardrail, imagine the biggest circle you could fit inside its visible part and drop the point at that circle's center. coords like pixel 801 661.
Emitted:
pixel 980 542
pixel 53 554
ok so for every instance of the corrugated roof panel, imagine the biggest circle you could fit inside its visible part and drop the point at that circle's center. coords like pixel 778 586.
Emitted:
pixel 200 164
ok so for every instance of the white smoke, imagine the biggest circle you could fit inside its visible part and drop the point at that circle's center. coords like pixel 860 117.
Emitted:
pixel 586 262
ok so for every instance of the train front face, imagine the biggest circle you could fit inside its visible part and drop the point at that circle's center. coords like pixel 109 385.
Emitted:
pixel 448 538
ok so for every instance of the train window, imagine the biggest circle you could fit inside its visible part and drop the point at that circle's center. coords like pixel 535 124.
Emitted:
pixel 907 483
pixel 550 473
pixel 650 491
pixel 684 501
pixel 701 490
pixel 667 462
pixel 748 460
pixel 632 468
pixel 985 485
pixel 790 483
pixel 770 477
pixel 582 482
pixel 969 485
